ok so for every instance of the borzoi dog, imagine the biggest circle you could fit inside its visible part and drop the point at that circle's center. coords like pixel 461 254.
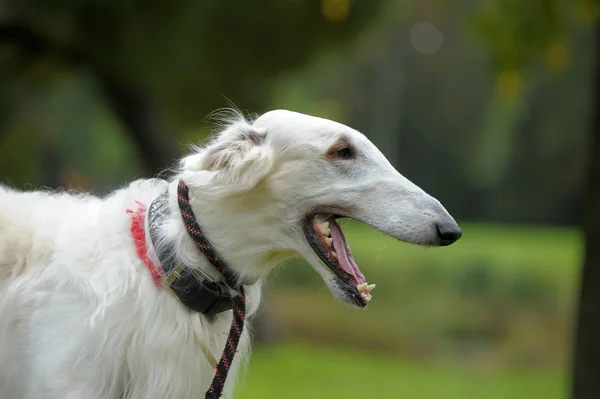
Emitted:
pixel 111 297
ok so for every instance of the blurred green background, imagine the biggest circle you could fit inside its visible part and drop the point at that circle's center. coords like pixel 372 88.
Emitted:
pixel 486 105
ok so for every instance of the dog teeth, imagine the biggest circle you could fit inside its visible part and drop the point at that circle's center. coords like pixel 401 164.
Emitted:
pixel 370 287
pixel 328 241
pixel 320 219
pixel 334 255
pixel 365 296
pixel 324 228
pixel 361 287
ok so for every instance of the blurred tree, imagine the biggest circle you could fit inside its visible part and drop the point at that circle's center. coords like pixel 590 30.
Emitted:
pixel 518 32
pixel 180 56
pixel 586 381
pixel 455 126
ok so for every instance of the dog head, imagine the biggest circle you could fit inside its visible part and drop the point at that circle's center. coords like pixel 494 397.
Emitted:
pixel 274 188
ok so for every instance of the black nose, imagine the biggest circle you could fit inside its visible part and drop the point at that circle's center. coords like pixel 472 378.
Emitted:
pixel 448 233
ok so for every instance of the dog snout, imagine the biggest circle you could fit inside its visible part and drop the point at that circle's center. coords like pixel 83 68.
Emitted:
pixel 448 232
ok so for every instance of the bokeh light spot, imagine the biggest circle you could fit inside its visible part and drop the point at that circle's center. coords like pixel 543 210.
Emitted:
pixel 557 56
pixel 335 10
pixel 509 84
pixel 426 38
pixel 587 10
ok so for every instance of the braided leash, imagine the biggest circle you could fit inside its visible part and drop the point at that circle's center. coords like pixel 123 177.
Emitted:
pixel 239 301
pixel 235 332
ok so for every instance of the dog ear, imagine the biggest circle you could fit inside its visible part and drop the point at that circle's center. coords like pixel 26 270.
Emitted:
pixel 240 155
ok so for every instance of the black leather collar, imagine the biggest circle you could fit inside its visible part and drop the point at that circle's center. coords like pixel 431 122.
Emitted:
pixel 194 288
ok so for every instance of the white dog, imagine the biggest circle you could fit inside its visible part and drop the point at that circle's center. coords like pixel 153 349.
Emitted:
pixel 80 314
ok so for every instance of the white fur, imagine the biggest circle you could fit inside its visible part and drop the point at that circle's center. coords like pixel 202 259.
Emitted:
pixel 80 316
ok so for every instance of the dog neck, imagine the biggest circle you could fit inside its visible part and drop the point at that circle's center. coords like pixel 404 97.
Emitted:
pixel 232 225
pixel 191 285
pixel 194 288
pixel 172 238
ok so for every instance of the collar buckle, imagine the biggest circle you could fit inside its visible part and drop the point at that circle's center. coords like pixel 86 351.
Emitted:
pixel 173 275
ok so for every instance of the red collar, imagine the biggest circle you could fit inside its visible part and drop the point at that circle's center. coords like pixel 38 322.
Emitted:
pixel 138 233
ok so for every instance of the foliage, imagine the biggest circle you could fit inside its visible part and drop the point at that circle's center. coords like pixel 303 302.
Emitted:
pixel 518 32
pixel 443 119
pixel 156 69
pixel 486 138
pixel 186 54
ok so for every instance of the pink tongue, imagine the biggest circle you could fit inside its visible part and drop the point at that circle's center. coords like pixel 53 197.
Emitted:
pixel 346 261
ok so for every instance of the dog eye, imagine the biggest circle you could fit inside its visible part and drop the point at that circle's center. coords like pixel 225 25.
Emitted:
pixel 344 153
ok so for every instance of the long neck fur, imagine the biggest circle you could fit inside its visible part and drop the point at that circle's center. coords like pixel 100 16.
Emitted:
pixel 220 220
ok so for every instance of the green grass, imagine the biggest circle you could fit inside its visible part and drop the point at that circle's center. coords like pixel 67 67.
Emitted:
pixel 303 371
pixel 502 293
pixel 488 318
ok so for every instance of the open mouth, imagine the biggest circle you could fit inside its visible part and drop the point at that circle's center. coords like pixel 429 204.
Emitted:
pixel 326 238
